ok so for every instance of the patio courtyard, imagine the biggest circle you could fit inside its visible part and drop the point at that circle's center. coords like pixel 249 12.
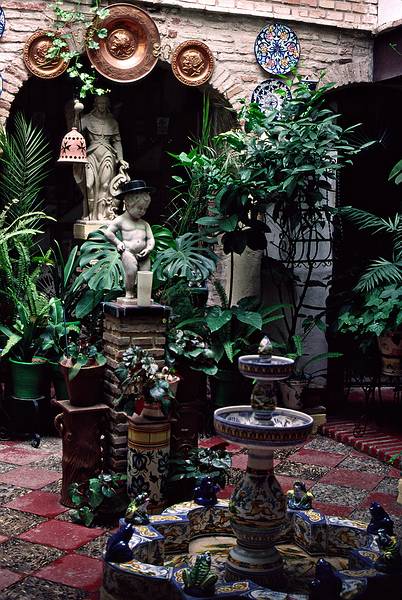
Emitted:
pixel 44 555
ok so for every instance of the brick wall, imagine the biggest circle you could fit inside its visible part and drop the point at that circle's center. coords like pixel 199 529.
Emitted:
pixel 360 14
pixel 327 43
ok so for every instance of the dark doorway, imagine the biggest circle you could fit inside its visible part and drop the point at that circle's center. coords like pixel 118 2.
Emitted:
pixel 364 185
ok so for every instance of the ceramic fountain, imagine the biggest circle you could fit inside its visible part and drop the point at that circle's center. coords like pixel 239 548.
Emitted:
pixel 258 504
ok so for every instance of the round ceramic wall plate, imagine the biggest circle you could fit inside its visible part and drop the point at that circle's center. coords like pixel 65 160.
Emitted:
pixel 277 49
pixel 192 62
pixel 34 54
pixel 2 22
pixel 270 94
pixel 129 51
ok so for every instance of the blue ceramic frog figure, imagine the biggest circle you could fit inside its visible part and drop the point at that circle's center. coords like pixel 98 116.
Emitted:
pixel 117 548
pixel 379 520
pixel 205 492
pixel 326 584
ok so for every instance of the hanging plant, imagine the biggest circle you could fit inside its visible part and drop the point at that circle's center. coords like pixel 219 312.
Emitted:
pixel 73 29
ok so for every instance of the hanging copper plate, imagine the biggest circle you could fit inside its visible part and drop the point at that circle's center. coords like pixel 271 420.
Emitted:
pixel 192 62
pixel 129 52
pixel 34 54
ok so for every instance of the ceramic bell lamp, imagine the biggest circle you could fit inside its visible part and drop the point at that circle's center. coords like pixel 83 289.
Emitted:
pixel 144 288
pixel 73 146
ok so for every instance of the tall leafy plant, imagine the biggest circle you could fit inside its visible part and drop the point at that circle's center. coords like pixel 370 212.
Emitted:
pixel 23 169
pixel 282 160
pixel 24 165
pixel 191 193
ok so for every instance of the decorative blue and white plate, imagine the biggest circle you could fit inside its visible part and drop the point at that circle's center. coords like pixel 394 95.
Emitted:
pixel 277 49
pixel 270 94
pixel 2 21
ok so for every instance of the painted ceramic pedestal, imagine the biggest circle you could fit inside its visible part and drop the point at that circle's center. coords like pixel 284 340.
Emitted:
pixel 258 505
pixel 148 460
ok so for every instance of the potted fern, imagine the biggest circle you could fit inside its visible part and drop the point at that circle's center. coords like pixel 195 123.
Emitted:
pixel 377 306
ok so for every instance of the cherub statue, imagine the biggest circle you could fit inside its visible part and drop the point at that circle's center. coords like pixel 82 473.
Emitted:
pixel 117 548
pixel 380 519
pixel 390 552
pixel 136 512
pixel 299 498
pixel 205 492
pixel 137 240
pixel 198 580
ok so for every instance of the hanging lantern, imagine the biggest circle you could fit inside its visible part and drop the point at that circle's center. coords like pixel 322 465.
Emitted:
pixel 73 148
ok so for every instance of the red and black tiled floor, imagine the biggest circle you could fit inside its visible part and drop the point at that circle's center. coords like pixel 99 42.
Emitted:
pixel 43 555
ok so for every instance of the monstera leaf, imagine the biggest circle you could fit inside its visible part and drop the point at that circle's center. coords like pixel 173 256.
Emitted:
pixel 101 265
pixel 191 258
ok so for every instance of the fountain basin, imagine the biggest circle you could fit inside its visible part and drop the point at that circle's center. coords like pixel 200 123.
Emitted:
pixel 161 547
pixel 239 425
pixel 272 368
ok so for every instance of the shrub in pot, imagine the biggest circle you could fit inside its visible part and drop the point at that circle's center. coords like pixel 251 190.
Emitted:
pixel 146 389
pixel 83 370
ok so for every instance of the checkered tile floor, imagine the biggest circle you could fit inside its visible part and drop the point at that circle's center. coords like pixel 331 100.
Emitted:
pixel 44 555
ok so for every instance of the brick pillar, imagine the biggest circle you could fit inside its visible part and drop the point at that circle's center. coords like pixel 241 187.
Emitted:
pixel 125 326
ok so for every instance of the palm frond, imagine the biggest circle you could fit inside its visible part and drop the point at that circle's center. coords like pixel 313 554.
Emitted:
pixel 366 220
pixel 380 272
pixel 24 166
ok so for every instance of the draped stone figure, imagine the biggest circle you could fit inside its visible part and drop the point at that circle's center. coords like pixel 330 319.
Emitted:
pixel 101 178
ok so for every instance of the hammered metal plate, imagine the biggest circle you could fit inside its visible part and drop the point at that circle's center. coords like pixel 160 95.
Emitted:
pixel 192 62
pixel 129 51
pixel 35 60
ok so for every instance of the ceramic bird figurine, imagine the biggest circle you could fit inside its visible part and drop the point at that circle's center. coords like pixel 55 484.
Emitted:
pixel 117 548
pixel 265 348
pixel 198 580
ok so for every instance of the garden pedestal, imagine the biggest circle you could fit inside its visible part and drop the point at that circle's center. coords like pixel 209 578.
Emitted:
pixel 124 326
pixel 82 430
pixel 148 460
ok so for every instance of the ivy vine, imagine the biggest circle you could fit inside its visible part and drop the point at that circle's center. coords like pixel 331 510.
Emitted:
pixel 72 29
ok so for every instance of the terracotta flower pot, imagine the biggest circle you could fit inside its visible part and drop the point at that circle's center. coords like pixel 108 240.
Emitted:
pixel 86 389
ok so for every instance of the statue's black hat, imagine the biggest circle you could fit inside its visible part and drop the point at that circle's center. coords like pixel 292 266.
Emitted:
pixel 135 185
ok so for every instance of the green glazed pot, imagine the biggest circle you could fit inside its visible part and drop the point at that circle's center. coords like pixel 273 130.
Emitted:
pixel 28 379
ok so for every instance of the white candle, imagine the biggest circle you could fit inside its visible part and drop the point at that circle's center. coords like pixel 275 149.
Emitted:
pixel 144 288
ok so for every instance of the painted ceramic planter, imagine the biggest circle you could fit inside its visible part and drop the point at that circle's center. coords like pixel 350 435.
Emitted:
pixel 148 460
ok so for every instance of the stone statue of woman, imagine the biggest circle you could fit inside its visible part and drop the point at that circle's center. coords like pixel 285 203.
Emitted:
pixel 105 159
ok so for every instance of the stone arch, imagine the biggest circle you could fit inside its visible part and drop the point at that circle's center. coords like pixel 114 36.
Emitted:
pixel 14 75
pixel 360 71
